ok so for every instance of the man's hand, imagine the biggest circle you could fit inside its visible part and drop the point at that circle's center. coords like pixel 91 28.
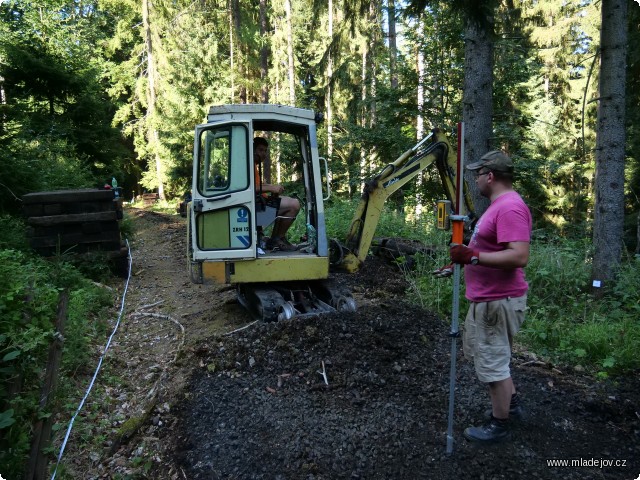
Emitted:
pixel 443 272
pixel 463 255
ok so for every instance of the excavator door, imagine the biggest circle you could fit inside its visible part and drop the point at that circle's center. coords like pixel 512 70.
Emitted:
pixel 223 200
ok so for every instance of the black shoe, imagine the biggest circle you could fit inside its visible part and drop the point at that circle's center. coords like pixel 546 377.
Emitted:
pixel 492 432
pixel 516 412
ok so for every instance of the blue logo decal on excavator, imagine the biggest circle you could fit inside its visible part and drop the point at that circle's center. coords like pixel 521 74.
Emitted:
pixel 243 215
pixel 244 239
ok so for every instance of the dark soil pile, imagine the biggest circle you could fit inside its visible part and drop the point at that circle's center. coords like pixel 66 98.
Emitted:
pixel 259 407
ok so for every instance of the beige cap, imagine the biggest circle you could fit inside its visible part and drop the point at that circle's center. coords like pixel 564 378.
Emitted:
pixel 494 160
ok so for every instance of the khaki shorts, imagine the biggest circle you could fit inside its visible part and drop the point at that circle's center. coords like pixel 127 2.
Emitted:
pixel 488 334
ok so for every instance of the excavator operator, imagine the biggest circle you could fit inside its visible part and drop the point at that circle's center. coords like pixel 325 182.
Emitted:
pixel 288 207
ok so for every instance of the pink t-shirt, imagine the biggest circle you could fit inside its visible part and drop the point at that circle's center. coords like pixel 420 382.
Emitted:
pixel 507 219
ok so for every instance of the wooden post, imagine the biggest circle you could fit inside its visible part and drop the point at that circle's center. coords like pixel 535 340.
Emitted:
pixel 37 467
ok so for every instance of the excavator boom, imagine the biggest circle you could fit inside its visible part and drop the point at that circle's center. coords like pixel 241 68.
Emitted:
pixel 434 148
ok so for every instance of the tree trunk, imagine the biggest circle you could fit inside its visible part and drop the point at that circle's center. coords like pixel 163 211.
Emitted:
pixel 264 54
pixel 610 146
pixel 240 57
pixel 292 79
pixel 329 87
pixel 477 106
pixel 231 54
pixel 391 16
pixel 264 71
pixel 152 133
pixel 3 102
pixel 363 117
pixel 420 65
pixel 235 52
pixel 420 117
pixel 371 66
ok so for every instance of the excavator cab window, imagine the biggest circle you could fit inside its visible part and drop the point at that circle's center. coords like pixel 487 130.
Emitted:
pixel 224 161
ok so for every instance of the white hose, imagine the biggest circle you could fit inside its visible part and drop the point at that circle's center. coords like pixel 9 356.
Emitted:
pixel 104 353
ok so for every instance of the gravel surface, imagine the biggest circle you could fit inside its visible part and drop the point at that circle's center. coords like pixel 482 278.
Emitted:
pixel 260 407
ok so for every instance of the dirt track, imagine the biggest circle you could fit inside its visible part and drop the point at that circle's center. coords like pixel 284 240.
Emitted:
pixel 252 404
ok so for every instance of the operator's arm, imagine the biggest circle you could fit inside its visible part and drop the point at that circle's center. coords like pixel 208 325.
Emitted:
pixel 276 189
pixel 516 254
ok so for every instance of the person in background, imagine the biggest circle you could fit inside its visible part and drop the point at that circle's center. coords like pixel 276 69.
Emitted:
pixel 497 289
pixel 288 207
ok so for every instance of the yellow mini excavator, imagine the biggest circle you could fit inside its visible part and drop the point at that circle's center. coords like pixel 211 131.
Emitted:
pixel 228 214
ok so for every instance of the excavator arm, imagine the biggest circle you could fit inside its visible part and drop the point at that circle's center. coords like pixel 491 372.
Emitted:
pixel 434 148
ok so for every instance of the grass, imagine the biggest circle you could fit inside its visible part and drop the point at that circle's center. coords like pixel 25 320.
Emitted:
pixel 567 323
pixel 169 207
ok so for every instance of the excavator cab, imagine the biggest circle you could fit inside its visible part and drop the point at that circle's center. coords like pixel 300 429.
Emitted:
pixel 229 214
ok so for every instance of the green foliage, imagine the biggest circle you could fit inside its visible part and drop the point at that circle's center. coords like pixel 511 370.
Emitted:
pixel 567 323
pixel 435 294
pixel 554 158
pixel 429 292
pixel 56 116
pixel 6 418
pixel 83 327
pixel 29 291
pixel 77 89
pixel 393 223
pixel 338 216
pixel 437 35
pixel 168 206
pixel 12 233
pixel 40 163
pixel 127 227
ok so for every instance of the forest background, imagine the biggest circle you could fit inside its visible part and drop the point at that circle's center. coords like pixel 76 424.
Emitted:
pixel 92 90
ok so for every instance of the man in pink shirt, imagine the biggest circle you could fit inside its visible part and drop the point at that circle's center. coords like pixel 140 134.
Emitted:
pixel 496 288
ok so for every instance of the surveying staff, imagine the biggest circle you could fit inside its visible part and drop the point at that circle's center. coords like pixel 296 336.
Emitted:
pixel 497 289
pixel 288 207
